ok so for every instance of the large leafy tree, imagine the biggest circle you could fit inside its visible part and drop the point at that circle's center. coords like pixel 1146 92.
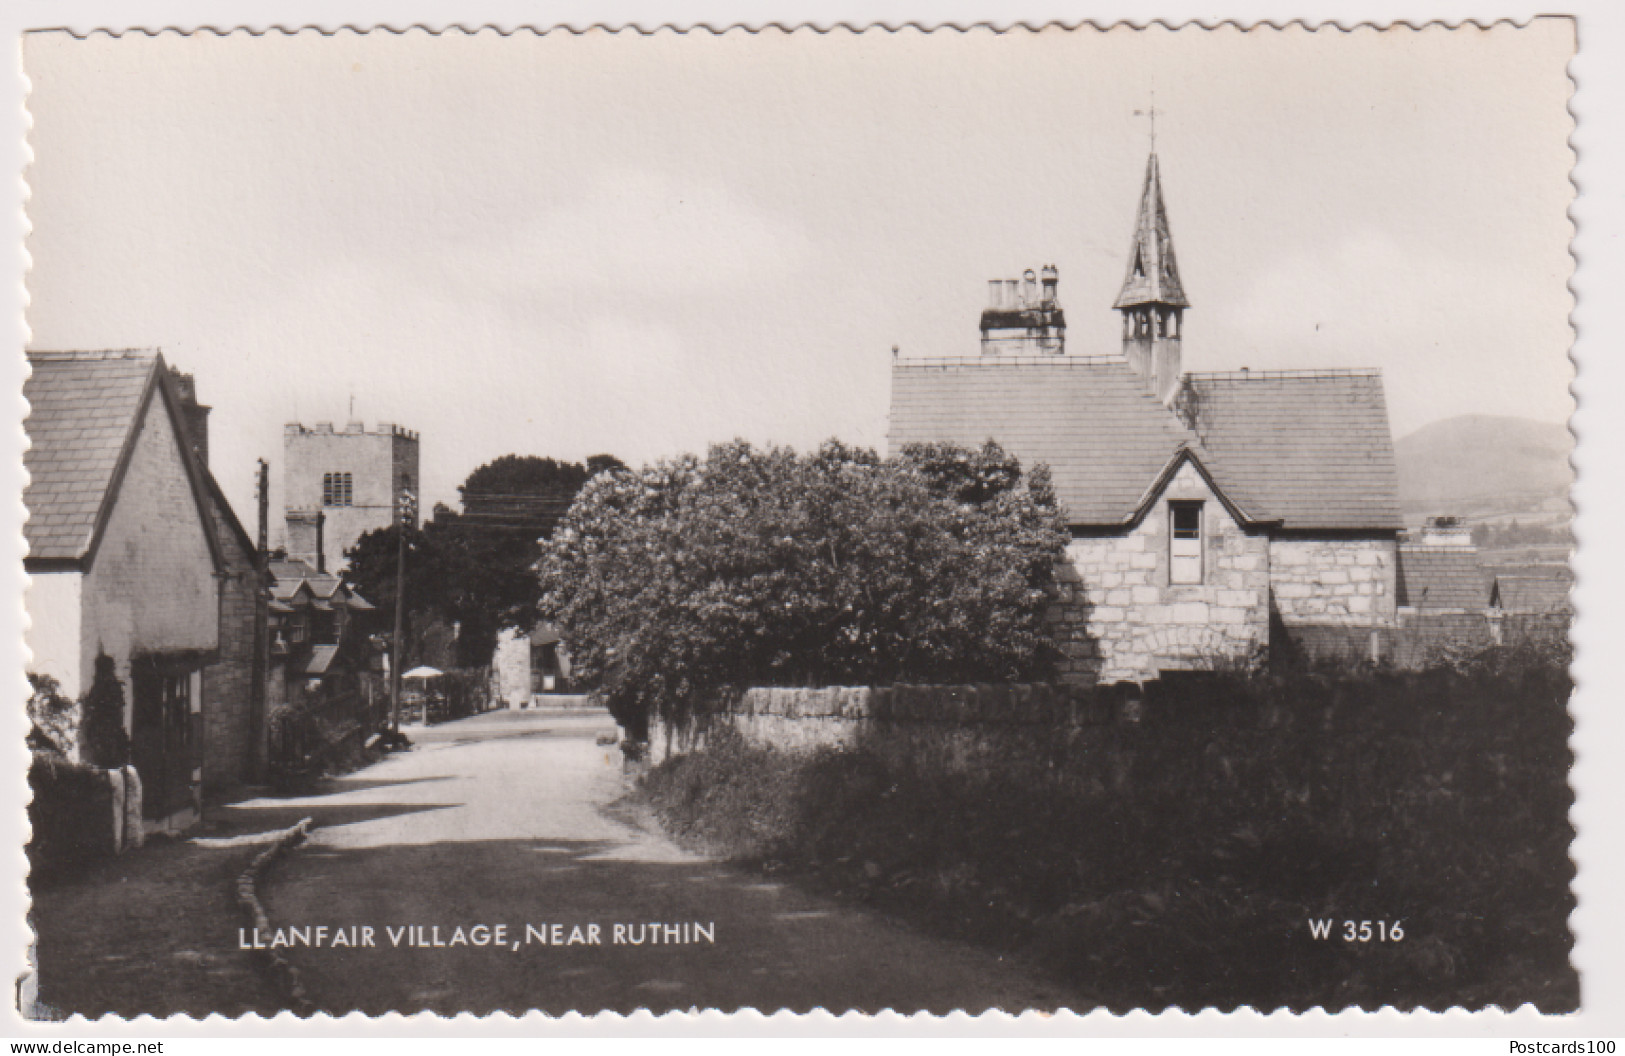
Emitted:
pixel 765 567
pixel 477 568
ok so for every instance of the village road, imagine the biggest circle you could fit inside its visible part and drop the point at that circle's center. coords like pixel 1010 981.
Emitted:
pixel 500 820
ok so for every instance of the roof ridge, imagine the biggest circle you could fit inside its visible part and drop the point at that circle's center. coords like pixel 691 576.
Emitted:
pixel 1255 375
pixel 94 355
pixel 1009 361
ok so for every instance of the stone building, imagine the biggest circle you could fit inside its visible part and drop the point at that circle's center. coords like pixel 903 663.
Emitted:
pixel 1212 515
pixel 337 486
pixel 530 663
pixel 125 559
pixel 318 649
pixel 233 683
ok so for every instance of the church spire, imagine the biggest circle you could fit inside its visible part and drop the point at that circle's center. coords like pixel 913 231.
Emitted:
pixel 1152 299
pixel 1153 274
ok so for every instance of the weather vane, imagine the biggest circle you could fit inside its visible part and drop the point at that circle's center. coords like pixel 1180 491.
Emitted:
pixel 1151 112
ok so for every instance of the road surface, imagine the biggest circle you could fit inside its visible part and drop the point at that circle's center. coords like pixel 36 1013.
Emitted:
pixel 500 820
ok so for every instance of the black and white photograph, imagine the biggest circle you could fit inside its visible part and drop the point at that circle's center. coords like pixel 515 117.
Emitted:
pixel 1060 518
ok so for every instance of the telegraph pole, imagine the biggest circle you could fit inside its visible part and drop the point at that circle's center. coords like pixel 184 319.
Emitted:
pixel 259 665
pixel 407 509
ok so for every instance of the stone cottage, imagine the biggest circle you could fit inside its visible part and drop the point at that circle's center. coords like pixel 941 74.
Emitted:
pixel 1212 515
pixel 125 559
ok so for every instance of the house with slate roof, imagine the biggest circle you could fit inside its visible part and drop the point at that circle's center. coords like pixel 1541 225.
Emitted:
pixel 318 650
pixel 1534 591
pixel 1211 514
pixel 130 555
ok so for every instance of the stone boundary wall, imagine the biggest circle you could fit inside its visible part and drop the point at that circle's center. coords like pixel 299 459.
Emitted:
pixel 961 729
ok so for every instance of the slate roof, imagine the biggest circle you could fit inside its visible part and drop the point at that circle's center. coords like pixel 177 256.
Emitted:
pixel 1533 593
pixel 321 658
pixel 1310 450
pixel 83 410
pixel 1442 577
pixel 1104 437
pixel 291 575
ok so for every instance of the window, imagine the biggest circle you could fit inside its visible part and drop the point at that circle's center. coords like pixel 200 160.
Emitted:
pixel 1185 542
pixel 337 490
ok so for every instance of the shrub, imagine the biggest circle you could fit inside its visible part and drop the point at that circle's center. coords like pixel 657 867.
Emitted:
pixel 53 718
pixel 70 813
pixel 1178 860
pixel 103 742
pixel 764 566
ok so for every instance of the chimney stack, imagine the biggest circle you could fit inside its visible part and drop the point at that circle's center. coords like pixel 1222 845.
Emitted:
pixel 1024 318
pixel 195 414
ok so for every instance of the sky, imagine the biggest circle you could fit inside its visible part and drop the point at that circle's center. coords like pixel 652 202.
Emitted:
pixel 569 244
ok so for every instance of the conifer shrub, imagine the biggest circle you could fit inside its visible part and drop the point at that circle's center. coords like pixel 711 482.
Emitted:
pixel 103 741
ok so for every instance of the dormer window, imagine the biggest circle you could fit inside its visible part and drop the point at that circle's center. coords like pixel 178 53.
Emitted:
pixel 337 490
pixel 1184 542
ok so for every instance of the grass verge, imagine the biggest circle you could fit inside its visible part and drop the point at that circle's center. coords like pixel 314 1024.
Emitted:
pixel 1180 860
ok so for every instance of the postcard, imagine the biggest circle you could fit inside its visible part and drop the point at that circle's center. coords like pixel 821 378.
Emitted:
pixel 1065 518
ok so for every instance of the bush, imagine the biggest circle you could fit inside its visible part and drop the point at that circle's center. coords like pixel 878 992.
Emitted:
pixel 1178 860
pixel 103 742
pixel 767 567
pixel 71 815
pixel 52 718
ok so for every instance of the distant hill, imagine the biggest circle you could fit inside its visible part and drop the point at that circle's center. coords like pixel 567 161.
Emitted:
pixel 1485 467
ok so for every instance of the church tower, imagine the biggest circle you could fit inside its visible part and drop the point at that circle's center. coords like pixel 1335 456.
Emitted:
pixel 1153 301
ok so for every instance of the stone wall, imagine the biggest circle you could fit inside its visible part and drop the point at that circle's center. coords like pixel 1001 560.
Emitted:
pixel 1334 582
pixel 380 463
pixel 1120 619
pixel 230 747
pixel 959 729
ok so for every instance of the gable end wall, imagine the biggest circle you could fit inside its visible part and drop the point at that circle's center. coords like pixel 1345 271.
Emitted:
pixel 151 587
pixel 1120 619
